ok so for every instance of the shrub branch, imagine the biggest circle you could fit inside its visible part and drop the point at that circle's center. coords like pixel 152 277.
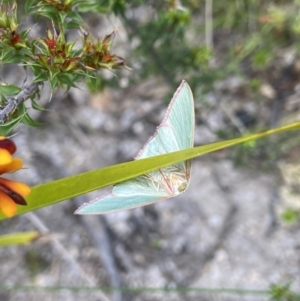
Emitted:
pixel 26 92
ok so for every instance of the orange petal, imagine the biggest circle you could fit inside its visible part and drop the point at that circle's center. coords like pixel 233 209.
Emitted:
pixel 16 197
pixel 5 157
pixel 15 164
pixel 20 188
pixel 7 205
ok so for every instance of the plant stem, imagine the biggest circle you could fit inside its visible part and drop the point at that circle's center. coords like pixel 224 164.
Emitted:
pixel 26 92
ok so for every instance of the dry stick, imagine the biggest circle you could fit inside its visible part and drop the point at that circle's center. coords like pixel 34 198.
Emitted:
pixel 272 218
pixel 209 25
pixel 38 223
pixel 26 92
pixel 96 225
pixel 226 228
pixel 56 244
pixel 209 30
pixel 234 119
pixel 274 199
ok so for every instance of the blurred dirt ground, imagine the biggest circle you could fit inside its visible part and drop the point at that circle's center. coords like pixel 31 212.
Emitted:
pixel 223 232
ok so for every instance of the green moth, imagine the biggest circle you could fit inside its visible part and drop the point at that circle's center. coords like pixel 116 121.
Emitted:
pixel 175 133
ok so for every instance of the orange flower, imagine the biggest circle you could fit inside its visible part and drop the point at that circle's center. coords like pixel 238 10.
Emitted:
pixel 11 192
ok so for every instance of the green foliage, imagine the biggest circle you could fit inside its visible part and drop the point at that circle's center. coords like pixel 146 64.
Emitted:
pixel 260 154
pixel 169 41
pixel 290 216
pixel 6 128
pixel 8 89
pixel 35 262
pixel 52 58
pixel 163 45
pixel 279 292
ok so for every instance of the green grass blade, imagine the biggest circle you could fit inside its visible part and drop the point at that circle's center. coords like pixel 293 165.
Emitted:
pixel 18 238
pixel 56 191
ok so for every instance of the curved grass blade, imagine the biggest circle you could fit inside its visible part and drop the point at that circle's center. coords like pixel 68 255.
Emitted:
pixel 65 188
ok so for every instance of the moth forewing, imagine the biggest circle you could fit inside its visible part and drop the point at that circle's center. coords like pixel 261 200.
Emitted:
pixel 176 132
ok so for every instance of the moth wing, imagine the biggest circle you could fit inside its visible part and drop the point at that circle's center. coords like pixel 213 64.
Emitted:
pixel 176 132
pixel 133 193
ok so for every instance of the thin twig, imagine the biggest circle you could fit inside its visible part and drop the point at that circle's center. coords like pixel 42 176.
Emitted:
pixel 38 223
pixel 272 216
pixel 98 232
pixel 209 25
pixel 225 230
pixel 26 92
pixel 235 120
pixel 229 220
pixel 95 225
